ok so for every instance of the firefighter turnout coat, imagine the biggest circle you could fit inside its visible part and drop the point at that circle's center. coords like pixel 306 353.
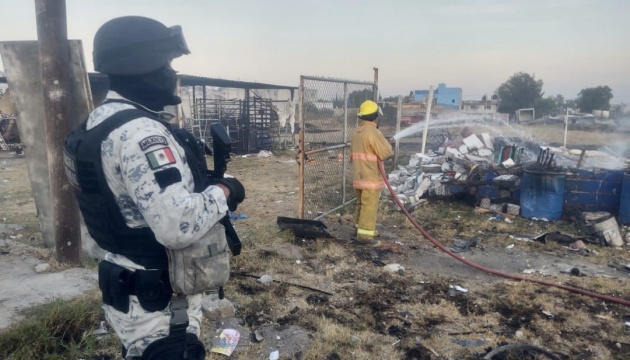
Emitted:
pixel 368 146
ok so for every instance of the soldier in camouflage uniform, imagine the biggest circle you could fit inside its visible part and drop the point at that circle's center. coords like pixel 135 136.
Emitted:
pixel 144 208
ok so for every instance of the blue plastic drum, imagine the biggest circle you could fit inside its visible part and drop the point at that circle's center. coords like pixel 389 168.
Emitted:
pixel 542 195
pixel 624 206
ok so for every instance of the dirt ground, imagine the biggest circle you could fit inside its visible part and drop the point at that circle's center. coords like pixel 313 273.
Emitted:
pixel 416 314
pixel 355 309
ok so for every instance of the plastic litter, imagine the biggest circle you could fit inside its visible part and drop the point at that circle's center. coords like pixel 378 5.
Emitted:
pixel 521 238
pixel 470 342
pixel 393 268
pixel 509 246
pixel 265 279
pixel 228 340
pixel 234 216
pixel 275 355
pixel 547 313
pixel 460 246
pixel 258 336
pixel 264 153
pixel 458 288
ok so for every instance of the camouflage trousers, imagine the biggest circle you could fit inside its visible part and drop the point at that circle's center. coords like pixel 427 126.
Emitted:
pixel 138 328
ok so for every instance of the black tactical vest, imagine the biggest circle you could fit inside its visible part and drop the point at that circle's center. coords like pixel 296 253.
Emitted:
pixel 102 215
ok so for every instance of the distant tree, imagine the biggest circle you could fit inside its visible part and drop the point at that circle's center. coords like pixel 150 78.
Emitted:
pixel 597 98
pixel 391 99
pixel 409 98
pixel 389 114
pixel 545 107
pixel 338 102
pixel 570 104
pixel 617 111
pixel 355 98
pixel 559 99
pixel 520 91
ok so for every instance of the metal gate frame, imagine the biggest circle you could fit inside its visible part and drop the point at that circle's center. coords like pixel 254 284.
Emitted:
pixel 303 153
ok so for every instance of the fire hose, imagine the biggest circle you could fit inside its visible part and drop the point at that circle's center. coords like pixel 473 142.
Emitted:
pixel 488 270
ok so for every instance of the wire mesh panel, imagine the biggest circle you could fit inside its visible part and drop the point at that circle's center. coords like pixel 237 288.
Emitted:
pixel 327 110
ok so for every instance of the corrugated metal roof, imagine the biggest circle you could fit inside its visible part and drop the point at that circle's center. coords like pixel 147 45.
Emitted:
pixel 191 80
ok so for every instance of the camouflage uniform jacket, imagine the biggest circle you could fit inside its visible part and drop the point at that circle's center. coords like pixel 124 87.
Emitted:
pixel 178 217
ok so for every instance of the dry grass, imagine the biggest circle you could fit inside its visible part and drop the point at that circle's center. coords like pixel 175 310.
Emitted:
pixel 16 198
pixel 58 330
pixel 555 134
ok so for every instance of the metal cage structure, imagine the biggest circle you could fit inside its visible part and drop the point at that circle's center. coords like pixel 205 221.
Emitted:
pixel 250 117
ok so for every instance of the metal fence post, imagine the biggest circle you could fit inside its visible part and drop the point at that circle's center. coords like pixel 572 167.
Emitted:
pixel 194 104
pixel 345 139
pixel 247 125
pixel 301 149
pixel 427 117
pixel 398 118
pixel 375 84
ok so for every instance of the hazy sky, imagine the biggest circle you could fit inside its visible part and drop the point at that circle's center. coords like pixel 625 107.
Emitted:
pixel 472 44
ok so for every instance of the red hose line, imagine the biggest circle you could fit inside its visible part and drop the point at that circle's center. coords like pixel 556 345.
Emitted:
pixel 488 270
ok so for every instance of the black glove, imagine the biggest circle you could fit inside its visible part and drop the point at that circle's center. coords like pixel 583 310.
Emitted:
pixel 237 191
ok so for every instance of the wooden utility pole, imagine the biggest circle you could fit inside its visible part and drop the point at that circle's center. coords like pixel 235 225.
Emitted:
pixel 54 55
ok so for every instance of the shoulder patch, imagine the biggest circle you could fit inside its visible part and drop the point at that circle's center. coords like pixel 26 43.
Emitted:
pixel 167 177
pixel 152 140
pixel 160 157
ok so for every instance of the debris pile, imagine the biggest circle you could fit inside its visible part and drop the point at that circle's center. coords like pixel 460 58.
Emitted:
pixel 465 166
pixel 492 174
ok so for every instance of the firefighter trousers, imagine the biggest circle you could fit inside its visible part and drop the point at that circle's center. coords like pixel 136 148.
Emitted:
pixel 365 214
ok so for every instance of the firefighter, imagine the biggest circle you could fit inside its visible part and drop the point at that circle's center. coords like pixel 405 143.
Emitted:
pixel 367 148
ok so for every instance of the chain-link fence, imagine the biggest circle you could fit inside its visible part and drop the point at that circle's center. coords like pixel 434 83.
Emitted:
pixel 328 119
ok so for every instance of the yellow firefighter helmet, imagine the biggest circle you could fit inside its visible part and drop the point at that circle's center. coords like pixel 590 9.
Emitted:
pixel 368 107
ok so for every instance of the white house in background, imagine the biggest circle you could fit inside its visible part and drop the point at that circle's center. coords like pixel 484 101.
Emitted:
pixel 480 106
pixel 324 104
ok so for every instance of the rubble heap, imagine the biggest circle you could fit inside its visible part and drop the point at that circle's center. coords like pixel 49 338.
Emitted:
pixel 458 167
pixel 488 172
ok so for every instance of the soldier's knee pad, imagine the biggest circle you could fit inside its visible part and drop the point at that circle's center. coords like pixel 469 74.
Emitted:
pixel 172 348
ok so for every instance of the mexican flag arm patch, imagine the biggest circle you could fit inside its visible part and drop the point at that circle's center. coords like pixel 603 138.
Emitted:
pixel 160 157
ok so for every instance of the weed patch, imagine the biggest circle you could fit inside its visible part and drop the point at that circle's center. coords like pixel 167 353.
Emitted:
pixel 58 330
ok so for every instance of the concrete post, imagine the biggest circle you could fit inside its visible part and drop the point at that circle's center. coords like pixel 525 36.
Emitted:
pixel 23 72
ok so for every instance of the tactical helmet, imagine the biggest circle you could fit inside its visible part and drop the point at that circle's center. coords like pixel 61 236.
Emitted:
pixel 136 45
